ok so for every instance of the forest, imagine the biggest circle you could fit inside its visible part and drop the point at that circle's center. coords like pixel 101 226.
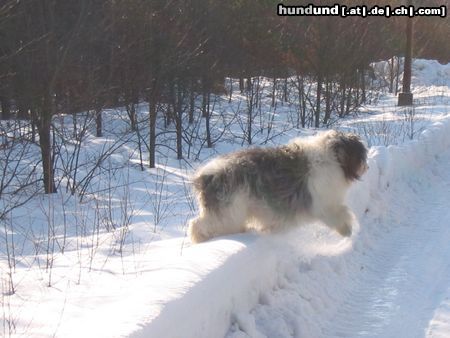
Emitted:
pixel 77 58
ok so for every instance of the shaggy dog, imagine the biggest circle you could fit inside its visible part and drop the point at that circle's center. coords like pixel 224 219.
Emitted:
pixel 269 188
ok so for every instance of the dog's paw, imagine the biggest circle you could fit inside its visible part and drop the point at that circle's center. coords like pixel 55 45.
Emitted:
pixel 198 237
pixel 344 230
pixel 196 231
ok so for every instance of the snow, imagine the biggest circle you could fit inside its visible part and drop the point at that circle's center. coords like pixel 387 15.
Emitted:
pixel 315 272
pixel 390 279
pixel 440 323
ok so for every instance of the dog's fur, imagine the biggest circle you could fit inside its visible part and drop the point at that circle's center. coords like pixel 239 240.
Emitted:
pixel 268 188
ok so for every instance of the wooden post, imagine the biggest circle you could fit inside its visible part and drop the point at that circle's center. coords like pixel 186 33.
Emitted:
pixel 405 98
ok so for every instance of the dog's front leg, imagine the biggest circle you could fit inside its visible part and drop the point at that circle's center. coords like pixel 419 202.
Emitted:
pixel 339 218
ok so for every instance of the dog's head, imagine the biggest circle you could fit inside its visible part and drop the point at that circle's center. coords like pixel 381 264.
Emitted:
pixel 350 152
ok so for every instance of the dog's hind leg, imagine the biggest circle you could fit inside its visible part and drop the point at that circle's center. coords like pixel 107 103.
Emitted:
pixel 264 219
pixel 208 226
pixel 199 230
pixel 229 219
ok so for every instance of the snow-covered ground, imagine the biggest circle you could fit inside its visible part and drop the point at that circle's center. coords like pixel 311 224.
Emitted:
pixel 390 279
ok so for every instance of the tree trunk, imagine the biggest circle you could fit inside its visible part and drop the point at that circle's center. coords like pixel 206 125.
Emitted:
pixel 6 108
pixel 178 107
pixel 349 101
pixel 249 83
pixel 327 102
pixel 257 102
pixel 408 57
pixel 168 116
pixel 318 99
pixel 33 126
pixel 357 86
pixel 392 74
pixel 152 141
pixel 250 95
pixel 274 91
pixel 342 105
pixel 207 121
pixel 302 102
pixel 133 116
pixel 285 90
pixel 241 84
pixel 397 75
pixel 43 126
pixel 363 86
pixel 99 122
pixel 205 109
pixel 191 104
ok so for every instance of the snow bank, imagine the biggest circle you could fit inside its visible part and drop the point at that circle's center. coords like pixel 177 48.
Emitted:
pixel 233 286
pixel 253 267
pixel 393 163
pixel 430 73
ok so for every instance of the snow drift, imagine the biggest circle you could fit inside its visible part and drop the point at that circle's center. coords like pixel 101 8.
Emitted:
pixel 250 267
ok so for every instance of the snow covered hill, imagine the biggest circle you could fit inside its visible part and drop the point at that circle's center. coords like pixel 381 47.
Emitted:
pixel 390 279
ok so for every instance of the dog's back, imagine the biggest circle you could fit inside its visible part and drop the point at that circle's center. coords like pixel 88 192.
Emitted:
pixel 277 176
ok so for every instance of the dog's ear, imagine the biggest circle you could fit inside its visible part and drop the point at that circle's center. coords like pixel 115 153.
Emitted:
pixel 351 154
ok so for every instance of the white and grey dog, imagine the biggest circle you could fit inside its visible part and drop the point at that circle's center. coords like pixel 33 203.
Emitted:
pixel 269 188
